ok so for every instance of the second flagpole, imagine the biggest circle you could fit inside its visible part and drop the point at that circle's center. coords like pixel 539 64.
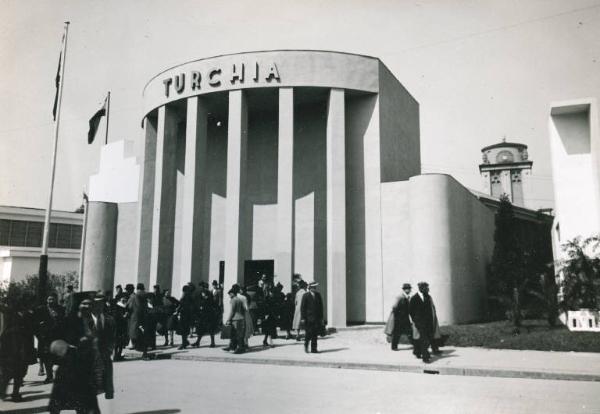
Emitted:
pixel 107 117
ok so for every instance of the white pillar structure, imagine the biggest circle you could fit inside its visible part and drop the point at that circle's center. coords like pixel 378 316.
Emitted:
pixel 163 220
pixel 285 202
pixel 146 201
pixel 237 142
pixel 196 143
pixel 373 234
pixel 336 209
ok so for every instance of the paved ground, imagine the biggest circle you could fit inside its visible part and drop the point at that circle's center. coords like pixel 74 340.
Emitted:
pixel 168 387
pixel 367 349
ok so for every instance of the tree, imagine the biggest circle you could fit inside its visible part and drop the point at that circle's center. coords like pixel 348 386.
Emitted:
pixel 57 283
pixel 580 273
pixel 511 272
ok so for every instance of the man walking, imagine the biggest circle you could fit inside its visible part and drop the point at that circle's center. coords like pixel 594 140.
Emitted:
pixel 50 325
pixel 237 320
pixel 311 311
pixel 401 318
pixel 422 312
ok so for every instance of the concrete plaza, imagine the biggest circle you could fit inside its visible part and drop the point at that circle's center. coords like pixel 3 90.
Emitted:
pixel 169 387
pixel 355 372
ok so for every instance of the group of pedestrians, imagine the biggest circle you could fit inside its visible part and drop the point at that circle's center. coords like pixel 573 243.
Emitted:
pixel 415 317
pixel 298 310
pixel 78 337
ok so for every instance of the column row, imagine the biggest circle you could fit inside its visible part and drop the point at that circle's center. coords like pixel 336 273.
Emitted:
pixel 158 195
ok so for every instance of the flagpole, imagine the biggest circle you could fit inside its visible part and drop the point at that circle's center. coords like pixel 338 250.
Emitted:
pixel 107 117
pixel 86 204
pixel 43 270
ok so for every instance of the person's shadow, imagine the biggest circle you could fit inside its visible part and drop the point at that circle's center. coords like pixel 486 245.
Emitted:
pixel 324 351
pixel 445 353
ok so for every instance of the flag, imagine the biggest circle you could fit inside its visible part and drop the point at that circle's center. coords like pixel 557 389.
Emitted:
pixel 57 81
pixel 95 121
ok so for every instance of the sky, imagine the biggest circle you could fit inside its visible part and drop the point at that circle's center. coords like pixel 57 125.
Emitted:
pixel 481 71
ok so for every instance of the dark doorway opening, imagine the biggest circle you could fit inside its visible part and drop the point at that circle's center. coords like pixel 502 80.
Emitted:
pixel 222 272
pixel 254 269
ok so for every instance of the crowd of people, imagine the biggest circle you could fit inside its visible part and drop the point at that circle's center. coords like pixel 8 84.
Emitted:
pixel 85 332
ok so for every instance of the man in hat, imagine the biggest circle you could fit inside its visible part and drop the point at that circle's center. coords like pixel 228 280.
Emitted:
pixel 422 312
pixel 50 325
pixel 311 314
pixel 104 331
pixel 75 384
pixel 237 320
pixel 401 314
pixel 137 309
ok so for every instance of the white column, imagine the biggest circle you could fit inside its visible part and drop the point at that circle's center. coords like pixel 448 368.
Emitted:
pixel 237 137
pixel 285 168
pixel 146 201
pixel 165 191
pixel 336 210
pixel 374 283
pixel 193 191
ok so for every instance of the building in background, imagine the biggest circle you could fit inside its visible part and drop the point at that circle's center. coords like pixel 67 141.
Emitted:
pixel 21 231
pixel 575 152
pixel 506 169
pixel 286 162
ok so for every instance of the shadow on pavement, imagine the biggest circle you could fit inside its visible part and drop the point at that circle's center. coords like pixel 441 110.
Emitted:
pixel 30 392
pixel 324 351
pixel 34 410
pixel 445 354
pixel 167 411
pixel 35 397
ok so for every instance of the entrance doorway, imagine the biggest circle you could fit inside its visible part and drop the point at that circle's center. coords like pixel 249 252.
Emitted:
pixel 254 269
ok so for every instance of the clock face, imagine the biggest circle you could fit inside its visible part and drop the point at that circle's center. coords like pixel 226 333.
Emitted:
pixel 505 157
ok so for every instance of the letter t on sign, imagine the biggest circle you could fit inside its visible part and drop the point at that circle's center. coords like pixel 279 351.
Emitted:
pixel 167 83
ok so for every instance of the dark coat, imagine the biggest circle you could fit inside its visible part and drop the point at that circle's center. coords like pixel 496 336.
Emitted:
pixel 49 326
pixel 207 316
pixel 271 311
pixel 402 312
pixel 137 309
pixel 86 370
pixel 16 343
pixel 424 317
pixel 186 312
pixel 311 309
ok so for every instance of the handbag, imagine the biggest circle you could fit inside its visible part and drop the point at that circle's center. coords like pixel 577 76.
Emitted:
pixel 226 332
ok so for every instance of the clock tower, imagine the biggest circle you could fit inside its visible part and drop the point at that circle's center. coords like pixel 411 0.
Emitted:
pixel 506 169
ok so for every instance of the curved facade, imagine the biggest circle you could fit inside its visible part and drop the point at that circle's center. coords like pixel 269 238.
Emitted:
pixel 273 162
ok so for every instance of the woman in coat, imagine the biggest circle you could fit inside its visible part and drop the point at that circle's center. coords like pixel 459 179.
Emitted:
pixel 170 305
pixel 186 315
pixel 297 315
pixel 269 324
pixel 206 322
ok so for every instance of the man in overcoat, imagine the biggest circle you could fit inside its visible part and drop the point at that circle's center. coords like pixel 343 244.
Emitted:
pixel 237 320
pixel 50 325
pixel 422 312
pixel 137 310
pixel 401 311
pixel 311 313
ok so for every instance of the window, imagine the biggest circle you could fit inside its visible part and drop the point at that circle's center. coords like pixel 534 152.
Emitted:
pixel 20 233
